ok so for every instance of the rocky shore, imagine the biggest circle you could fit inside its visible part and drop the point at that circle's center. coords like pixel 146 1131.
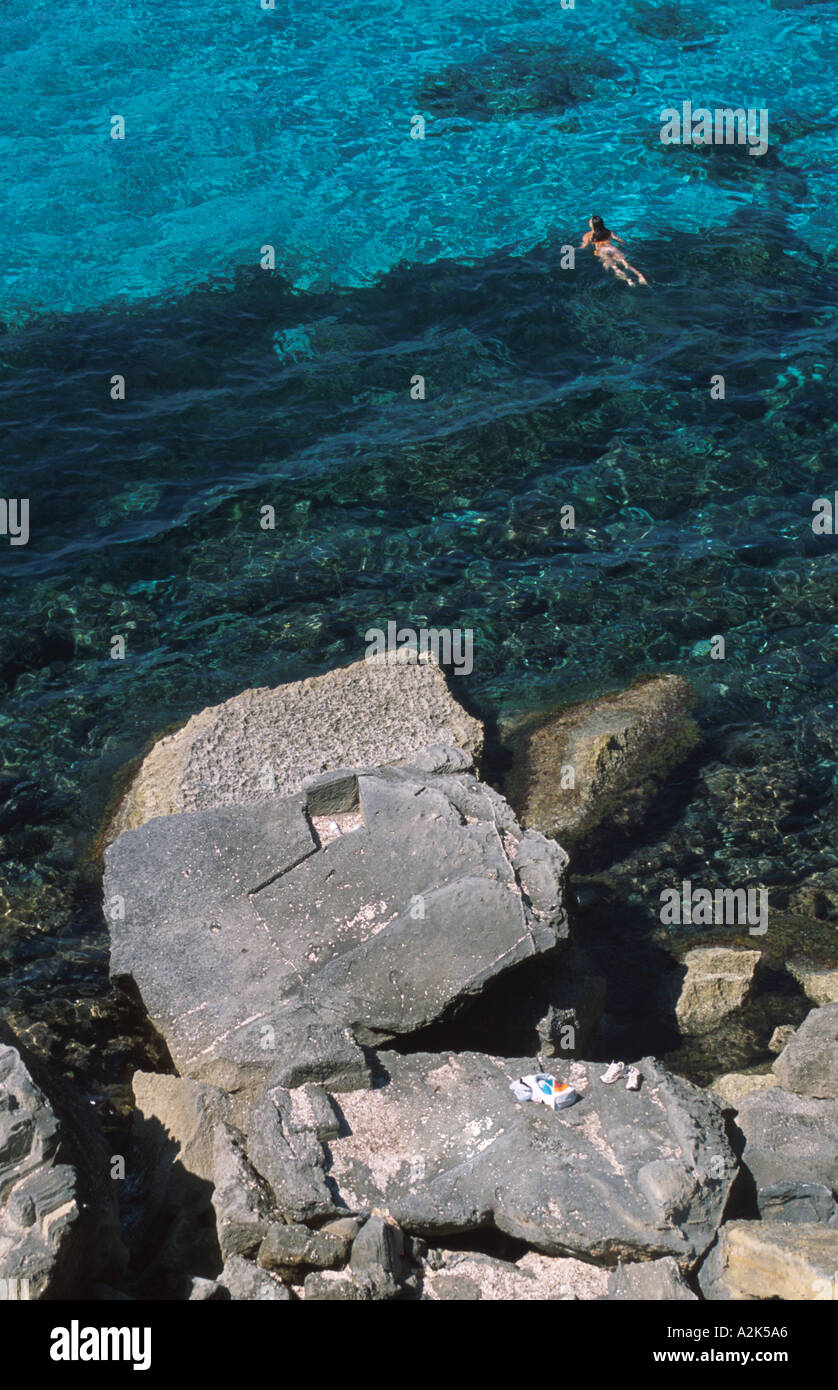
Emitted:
pixel 349 944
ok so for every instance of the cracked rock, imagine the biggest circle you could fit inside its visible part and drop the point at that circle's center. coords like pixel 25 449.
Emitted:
pixel 264 955
pixel 443 1146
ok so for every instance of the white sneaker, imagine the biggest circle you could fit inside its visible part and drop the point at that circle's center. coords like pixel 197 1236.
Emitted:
pixel 613 1072
pixel 633 1080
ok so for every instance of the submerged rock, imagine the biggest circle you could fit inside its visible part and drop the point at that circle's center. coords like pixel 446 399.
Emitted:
pixel 266 742
pixel 264 950
pixel 717 981
pixel 759 1260
pixel 816 896
pixel 602 759
pixel 444 1146
pixel 513 77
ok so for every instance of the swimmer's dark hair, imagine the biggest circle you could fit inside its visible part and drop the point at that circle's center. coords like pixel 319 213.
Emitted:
pixel 601 232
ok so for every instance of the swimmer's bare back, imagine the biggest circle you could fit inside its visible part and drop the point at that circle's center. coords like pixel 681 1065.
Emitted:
pixel 611 257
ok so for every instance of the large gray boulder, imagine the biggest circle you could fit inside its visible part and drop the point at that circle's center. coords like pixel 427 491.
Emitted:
pixel 267 945
pixel 444 1147
pixel 267 742
pixel 789 1138
pixel 808 1063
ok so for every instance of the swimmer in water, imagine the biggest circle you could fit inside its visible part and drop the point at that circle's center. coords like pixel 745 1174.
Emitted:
pixel 611 257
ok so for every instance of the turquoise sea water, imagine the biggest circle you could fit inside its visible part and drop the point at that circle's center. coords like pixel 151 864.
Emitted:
pixel 545 386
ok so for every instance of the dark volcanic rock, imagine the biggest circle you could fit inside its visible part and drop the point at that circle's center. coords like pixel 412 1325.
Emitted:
pixel 267 945
pixel 378 1252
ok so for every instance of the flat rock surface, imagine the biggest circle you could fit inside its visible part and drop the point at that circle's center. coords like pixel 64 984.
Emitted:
pixel 264 951
pixel 444 1146
pixel 267 742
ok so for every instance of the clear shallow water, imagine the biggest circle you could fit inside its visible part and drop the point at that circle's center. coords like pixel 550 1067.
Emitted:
pixel 291 388
pixel 290 126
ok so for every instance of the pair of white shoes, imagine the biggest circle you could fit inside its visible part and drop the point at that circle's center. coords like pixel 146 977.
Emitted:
pixel 616 1070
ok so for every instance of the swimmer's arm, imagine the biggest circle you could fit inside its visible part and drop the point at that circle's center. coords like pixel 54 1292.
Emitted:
pixel 618 238
pixel 589 236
